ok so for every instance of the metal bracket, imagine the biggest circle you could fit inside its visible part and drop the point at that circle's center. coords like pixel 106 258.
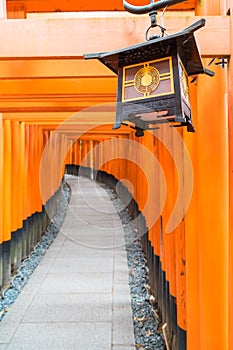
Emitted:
pixel 151 9
pixel 153 6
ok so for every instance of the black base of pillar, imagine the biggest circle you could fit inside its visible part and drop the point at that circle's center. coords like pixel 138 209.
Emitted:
pixel 173 323
pixel 181 339
pixel 6 258
pixel 1 265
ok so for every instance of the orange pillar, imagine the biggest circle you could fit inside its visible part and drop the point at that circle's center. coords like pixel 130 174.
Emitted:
pixel 15 10
pixel 1 182
pixel 68 159
pixel 50 164
pixel 178 236
pixel 1 199
pixel 26 175
pixel 15 176
pixel 192 239
pixel 21 173
pixel 230 126
pixel 96 154
pixel 63 143
pixel 39 151
pixel 155 230
pixel 213 210
pixel 60 167
pixel 210 7
pixel 31 171
pixel 7 182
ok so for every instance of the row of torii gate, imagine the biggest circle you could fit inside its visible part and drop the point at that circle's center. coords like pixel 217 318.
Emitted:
pixel 44 81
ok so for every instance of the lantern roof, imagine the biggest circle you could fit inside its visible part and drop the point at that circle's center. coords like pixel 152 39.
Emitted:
pixel 183 43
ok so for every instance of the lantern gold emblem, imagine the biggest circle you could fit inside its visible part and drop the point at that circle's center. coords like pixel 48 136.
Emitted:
pixel 146 80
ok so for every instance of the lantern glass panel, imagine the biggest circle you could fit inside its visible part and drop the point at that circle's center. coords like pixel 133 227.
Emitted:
pixel 184 85
pixel 129 73
pixel 130 93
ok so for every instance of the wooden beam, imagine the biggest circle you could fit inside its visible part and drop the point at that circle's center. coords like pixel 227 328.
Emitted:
pixel 103 115
pixel 45 117
pixel 52 68
pixel 56 94
pixel 71 38
pixel 82 5
pixel 81 86
pixel 52 103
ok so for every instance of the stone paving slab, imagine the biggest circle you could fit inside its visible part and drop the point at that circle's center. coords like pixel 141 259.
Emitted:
pixel 60 336
pixel 82 282
pixel 82 264
pixel 70 308
pixel 78 297
pixel 73 251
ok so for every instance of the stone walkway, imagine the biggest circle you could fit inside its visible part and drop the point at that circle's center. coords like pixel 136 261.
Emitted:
pixel 78 297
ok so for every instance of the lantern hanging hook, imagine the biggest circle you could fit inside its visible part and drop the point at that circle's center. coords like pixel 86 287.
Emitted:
pixel 151 9
pixel 153 25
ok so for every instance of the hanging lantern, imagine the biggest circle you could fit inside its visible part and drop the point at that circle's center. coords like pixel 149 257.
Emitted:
pixel 153 83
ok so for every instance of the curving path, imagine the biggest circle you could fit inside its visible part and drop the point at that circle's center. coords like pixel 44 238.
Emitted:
pixel 78 297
